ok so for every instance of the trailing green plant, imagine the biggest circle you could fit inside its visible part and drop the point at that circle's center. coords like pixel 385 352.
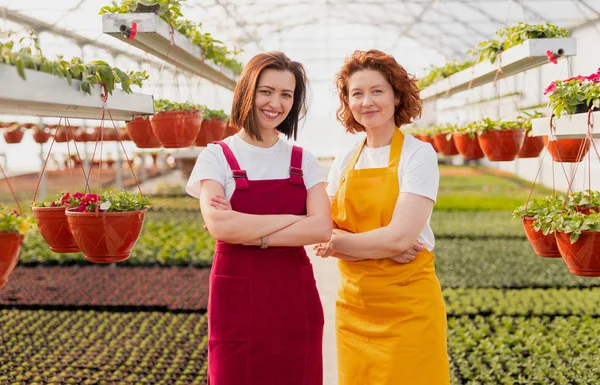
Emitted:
pixel 467 129
pixel 111 201
pixel 90 74
pixel 164 105
pixel 13 222
pixel 170 12
pixel 436 73
pixel 525 120
pixel 513 36
pixel 574 223
pixel 214 114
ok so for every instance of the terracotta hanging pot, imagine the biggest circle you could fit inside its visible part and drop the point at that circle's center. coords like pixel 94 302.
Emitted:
pixel 543 245
pixel 426 139
pixel 41 136
pixel 468 147
pixel 582 257
pixel 445 146
pixel 212 130
pixel 532 147
pixel 140 131
pixel 13 137
pixel 106 237
pixel 10 247
pixel 230 130
pixel 501 145
pixel 567 150
pixel 54 227
pixel 177 129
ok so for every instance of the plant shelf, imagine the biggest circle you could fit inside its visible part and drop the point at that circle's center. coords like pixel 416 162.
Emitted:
pixel 568 127
pixel 154 36
pixel 43 94
pixel 527 55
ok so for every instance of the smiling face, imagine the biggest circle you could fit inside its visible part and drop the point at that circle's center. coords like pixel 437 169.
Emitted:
pixel 274 98
pixel 371 99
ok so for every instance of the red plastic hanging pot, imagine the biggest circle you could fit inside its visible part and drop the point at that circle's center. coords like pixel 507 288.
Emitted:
pixel 501 145
pixel 13 137
pixel 230 130
pixel 106 237
pixel 582 257
pixel 54 227
pixel 41 136
pixel 177 129
pixel 211 131
pixel 444 145
pixel 10 247
pixel 468 147
pixel 543 245
pixel 532 147
pixel 140 131
pixel 567 150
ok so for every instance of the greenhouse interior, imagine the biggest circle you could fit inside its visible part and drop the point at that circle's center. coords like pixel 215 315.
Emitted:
pixel 375 192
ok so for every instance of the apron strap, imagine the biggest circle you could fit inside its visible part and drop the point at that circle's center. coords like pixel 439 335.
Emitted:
pixel 396 150
pixel 239 176
pixel 296 173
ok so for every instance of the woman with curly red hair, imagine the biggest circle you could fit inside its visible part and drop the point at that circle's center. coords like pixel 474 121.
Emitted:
pixel 390 313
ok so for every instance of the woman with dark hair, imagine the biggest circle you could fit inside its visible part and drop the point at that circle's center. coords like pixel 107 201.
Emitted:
pixel 263 199
pixel 390 313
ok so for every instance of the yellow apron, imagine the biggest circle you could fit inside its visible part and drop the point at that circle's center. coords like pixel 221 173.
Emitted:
pixel 390 317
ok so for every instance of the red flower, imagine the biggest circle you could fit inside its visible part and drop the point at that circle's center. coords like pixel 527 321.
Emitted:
pixel 65 198
pixel 16 213
pixel 551 88
pixel 78 195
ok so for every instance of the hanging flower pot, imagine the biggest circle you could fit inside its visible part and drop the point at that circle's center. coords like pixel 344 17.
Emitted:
pixel 543 245
pixel 583 256
pixel 230 130
pixel 140 131
pixel 501 145
pixel 107 228
pixel 54 228
pixel 445 145
pixel 176 129
pixel 124 135
pixel 106 237
pixel 10 247
pixel 211 130
pixel 468 146
pixel 14 136
pixel 532 147
pixel 567 150
pixel 41 136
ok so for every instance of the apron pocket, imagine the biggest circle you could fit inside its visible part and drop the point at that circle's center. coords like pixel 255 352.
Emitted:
pixel 229 308
pixel 314 309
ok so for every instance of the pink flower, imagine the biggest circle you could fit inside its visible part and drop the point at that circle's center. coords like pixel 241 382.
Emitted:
pixel 550 88
pixel 65 198
pixel 53 204
pixel 16 213
pixel 78 195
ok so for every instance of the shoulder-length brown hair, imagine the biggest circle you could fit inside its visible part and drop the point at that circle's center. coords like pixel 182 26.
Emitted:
pixel 242 109
pixel 404 86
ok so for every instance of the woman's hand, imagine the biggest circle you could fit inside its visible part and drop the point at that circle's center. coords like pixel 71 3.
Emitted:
pixel 409 255
pixel 219 202
pixel 324 250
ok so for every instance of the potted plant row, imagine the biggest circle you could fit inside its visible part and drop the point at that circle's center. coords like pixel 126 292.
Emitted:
pixel 13 227
pixel 566 226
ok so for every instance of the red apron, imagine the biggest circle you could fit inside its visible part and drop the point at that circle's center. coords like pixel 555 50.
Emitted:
pixel 265 318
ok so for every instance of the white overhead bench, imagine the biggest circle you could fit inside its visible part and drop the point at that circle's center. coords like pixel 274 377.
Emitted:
pixel 153 35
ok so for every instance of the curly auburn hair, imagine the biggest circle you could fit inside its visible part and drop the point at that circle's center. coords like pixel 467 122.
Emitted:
pixel 404 86
pixel 242 109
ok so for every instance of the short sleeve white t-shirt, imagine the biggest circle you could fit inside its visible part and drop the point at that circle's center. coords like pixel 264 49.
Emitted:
pixel 418 172
pixel 259 163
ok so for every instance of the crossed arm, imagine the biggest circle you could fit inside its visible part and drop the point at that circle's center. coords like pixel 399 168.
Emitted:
pixel 391 241
pixel 231 226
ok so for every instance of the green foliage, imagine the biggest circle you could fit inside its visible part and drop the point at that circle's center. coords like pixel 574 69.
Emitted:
pixel 91 74
pixel 475 225
pixel 164 105
pixel 566 95
pixel 435 73
pixel 170 12
pixel 214 114
pixel 13 222
pixel 500 263
pixel 123 201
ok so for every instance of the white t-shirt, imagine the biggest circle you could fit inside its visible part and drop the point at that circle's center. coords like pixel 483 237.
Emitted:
pixel 259 163
pixel 418 172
